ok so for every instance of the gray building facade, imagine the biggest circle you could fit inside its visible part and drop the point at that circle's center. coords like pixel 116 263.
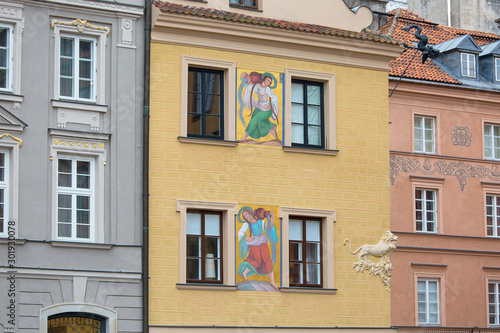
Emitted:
pixel 71 110
pixel 481 15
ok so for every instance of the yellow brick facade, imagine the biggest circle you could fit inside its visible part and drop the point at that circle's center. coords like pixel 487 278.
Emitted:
pixel 355 184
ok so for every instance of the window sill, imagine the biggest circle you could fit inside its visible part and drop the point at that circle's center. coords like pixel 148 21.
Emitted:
pixel 78 105
pixel 328 152
pixel 95 246
pixel 202 141
pixel 205 287
pixel 306 290
pixel 8 96
pixel 16 241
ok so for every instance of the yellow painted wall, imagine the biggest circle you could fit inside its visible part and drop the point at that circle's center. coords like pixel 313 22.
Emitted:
pixel 355 184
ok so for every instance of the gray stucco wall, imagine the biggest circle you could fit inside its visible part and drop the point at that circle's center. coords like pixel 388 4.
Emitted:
pixel 46 268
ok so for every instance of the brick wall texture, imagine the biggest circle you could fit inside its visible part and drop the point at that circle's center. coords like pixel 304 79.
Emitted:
pixel 355 183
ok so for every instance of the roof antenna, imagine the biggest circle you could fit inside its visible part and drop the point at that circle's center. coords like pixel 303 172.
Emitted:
pixel 427 50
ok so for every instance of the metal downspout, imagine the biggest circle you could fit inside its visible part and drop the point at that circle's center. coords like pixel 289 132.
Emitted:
pixel 145 173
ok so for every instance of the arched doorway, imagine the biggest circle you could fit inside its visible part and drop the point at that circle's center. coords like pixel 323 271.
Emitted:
pixel 76 322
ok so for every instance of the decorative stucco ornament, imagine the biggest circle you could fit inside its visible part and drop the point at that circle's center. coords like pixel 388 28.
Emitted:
pixel 382 250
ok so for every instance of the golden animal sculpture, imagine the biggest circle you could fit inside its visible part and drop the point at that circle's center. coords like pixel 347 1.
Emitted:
pixel 383 250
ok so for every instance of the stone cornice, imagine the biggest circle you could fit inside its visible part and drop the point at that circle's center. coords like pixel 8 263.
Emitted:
pixel 271 41
pixel 121 8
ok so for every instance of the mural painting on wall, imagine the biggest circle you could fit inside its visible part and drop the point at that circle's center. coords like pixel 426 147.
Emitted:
pixel 259 252
pixel 260 102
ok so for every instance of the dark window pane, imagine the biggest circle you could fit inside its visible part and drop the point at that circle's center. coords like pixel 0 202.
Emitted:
pixel 82 202
pixel 3 78
pixel 83 167
pixel 85 89
pixel 213 126
pixel 85 49
pixel 85 69
pixel 194 81
pixel 64 201
pixel 83 231
pixel 82 217
pixel 3 58
pixel 313 253
pixel 64 215
pixel 213 106
pixel 4 36
pixel 212 246
pixel 66 67
pixel 64 230
pixel 212 83
pixel 295 273
pixel 313 273
pixel 295 251
pixel 83 181
pixel 66 88
pixel 193 246
pixel 67 46
pixel 193 269
pixel 64 166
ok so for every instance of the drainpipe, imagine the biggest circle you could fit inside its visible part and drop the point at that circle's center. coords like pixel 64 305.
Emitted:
pixel 145 172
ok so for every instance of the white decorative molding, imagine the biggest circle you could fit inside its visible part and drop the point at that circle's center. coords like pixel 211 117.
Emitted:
pixel 80 25
pixel 107 6
pixel 127 33
pixel 65 116
pixel 11 11
pixel 383 250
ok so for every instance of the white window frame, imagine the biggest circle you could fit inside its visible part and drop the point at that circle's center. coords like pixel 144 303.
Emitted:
pixel 69 29
pixel 428 183
pixel 495 304
pixel 491 152
pixel 73 191
pixel 423 131
pixel 65 144
pixel 11 15
pixel 497 69
pixel 495 217
pixel 5 186
pixel 328 218
pixel 424 210
pixel 229 69
pixel 427 302
pixel 76 69
pixel 10 57
pixel 468 65
pixel 229 212
pixel 329 109
pixel 10 146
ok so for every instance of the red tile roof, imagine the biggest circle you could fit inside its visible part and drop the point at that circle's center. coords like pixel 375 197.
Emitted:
pixel 437 34
pixel 247 19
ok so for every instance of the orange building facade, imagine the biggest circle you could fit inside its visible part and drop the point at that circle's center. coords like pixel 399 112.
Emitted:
pixel 445 181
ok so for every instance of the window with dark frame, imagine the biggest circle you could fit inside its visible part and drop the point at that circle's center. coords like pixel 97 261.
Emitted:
pixel 305 260
pixel 245 3
pixel 204 247
pixel 307 114
pixel 205 103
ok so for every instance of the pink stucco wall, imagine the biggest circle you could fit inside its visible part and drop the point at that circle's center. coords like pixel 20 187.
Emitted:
pixel 459 255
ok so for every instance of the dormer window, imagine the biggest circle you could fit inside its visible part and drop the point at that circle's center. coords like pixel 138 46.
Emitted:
pixel 251 4
pixel 468 65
